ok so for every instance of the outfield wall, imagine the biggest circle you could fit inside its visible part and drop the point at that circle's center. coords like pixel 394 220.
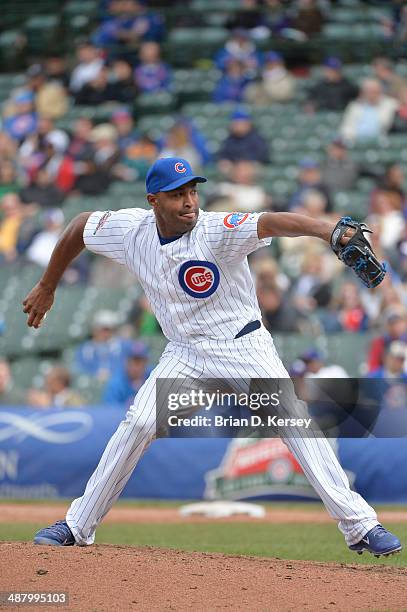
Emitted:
pixel 52 453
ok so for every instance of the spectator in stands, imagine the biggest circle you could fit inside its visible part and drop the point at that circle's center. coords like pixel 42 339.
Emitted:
pixel 395 328
pixel 132 24
pixel 8 177
pixel 370 116
pixel 348 312
pixel 249 17
pixel 50 96
pixel 278 312
pixel 127 380
pixel 241 48
pixel 127 133
pixel 307 17
pixel 141 320
pixel 391 184
pixel 33 151
pixel 179 143
pixel 42 191
pixel 105 351
pixel 7 147
pixel 392 84
pixel 310 179
pixel 315 366
pixel 21 120
pixel 95 92
pixel 313 288
pixel 80 148
pixel 400 256
pixel 152 74
pixel 56 144
pixel 99 171
pixel 121 83
pixel 242 192
pixel 40 249
pixel 10 393
pixel 56 392
pixel 232 84
pixel 312 203
pixel 276 84
pixel 339 172
pixel 137 151
pixel 243 142
pixel 56 70
pixel 277 18
pixel 89 64
pixel 334 91
pixel 400 118
pixel 394 360
pixel 14 213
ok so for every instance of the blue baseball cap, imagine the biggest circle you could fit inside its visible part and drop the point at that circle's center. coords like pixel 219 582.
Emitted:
pixel 273 56
pixel 168 173
pixel 240 114
pixel 138 350
pixel 311 355
pixel 333 62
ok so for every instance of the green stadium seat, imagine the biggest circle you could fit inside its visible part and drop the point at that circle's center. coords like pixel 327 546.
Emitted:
pixel 76 8
pixel 352 203
pixel 348 350
pixel 41 31
pixel 187 45
pixel 24 371
pixel 159 103
pixel 291 346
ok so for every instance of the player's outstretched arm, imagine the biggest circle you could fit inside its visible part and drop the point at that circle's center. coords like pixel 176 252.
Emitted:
pixel 70 244
pixel 292 225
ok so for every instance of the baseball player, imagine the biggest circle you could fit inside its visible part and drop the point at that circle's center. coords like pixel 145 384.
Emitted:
pixel 193 268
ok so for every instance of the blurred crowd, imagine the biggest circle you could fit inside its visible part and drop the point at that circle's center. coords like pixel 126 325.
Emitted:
pixel 300 285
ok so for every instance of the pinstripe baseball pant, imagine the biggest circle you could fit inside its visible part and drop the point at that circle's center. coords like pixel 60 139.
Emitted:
pixel 252 356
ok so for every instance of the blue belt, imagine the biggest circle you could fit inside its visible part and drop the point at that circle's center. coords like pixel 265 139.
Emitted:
pixel 247 329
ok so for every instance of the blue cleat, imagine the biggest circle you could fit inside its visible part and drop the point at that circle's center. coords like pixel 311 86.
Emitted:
pixel 58 534
pixel 378 541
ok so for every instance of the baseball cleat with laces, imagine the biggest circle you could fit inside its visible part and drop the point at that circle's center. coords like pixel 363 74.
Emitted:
pixel 379 542
pixel 58 534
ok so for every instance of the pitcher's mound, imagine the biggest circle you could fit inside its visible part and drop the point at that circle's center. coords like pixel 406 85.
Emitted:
pixel 106 578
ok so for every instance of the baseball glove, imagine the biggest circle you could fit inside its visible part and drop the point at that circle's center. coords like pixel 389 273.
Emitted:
pixel 357 253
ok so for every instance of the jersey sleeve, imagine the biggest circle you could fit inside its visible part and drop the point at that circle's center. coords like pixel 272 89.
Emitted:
pixel 233 236
pixel 105 232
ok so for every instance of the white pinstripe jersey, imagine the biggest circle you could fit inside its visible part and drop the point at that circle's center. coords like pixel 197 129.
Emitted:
pixel 199 286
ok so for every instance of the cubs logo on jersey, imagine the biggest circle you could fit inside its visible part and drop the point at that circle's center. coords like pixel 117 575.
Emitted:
pixel 199 279
pixel 235 219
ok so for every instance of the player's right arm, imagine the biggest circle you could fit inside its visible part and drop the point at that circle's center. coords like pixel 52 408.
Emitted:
pixel 70 244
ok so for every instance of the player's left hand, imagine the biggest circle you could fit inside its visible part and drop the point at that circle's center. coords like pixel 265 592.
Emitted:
pixel 350 246
pixel 37 303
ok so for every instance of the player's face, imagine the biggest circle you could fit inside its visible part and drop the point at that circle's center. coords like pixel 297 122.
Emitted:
pixel 176 211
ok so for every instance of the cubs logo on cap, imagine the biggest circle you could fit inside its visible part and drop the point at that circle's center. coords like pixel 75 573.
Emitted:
pixel 199 279
pixel 235 219
pixel 169 173
pixel 179 167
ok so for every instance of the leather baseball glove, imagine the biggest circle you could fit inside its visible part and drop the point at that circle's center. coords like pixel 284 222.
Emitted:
pixel 357 252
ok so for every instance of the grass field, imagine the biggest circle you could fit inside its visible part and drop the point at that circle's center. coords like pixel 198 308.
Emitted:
pixel 285 541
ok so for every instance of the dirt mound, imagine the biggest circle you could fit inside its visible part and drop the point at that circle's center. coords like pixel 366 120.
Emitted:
pixel 119 578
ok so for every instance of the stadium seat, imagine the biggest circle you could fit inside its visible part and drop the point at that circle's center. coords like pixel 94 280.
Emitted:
pixel 162 102
pixel 41 31
pixel 352 203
